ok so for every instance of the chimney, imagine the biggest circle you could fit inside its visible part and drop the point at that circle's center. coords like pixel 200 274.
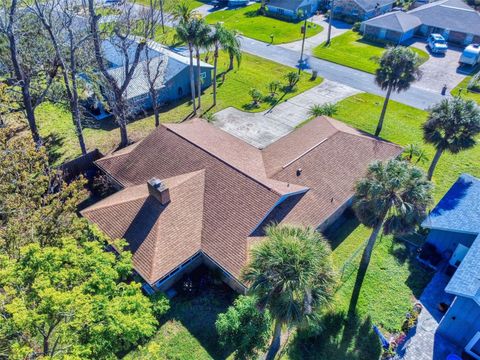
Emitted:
pixel 159 191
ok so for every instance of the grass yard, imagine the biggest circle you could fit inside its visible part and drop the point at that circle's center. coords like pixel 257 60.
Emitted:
pixel 55 121
pixel 349 49
pixel 461 89
pixel 393 278
pixel 255 26
pixel 167 38
pixel 188 330
pixel 402 126
pixel 193 3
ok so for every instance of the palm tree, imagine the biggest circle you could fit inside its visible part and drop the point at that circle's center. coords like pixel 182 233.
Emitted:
pixel 398 69
pixel 233 47
pixel 292 276
pixel 392 199
pixel 220 38
pixel 451 126
pixel 187 32
pixel 182 12
pixel 201 41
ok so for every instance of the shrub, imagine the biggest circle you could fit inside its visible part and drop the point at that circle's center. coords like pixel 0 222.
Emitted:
pixel 210 117
pixel 273 88
pixel 256 96
pixel 356 26
pixel 292 78
pixel 474 84
pixel 244 327
pixel 160 304
pixel 327 109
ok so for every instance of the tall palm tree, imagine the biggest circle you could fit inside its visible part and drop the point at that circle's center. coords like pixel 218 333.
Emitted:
pixel 452 126
pixel 398 69
pixel 392 198
pixel 221 38
pixel 292 276
pixel 233 47
pixel 187 32
pixel 201 41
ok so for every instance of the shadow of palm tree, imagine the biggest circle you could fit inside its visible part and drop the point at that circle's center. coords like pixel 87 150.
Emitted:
pixel 338 337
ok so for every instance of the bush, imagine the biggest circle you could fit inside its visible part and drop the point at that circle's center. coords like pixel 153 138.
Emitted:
pixel 327 109
pixel 160 304
pixel 256 96
pixel 356 26
pixel 292 78
pixel 210 117
pixel 244 327
pixel 273 88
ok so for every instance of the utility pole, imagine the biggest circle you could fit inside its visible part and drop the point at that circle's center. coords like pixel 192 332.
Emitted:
pixel 304 32
pixel 330 20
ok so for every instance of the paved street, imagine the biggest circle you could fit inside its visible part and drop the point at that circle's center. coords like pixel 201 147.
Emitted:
pixel 417 97
pixel 263 128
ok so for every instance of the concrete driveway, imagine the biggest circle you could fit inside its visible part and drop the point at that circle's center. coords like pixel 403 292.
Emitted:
pixel 441 70
pixel 263 128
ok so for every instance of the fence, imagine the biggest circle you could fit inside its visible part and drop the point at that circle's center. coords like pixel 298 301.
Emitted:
pixel 80 165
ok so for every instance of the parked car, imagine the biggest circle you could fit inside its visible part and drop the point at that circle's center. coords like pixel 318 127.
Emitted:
pixel 437 44
pixel 471 55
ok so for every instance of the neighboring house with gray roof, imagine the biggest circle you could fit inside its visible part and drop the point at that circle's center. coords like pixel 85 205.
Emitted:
pixel 173 82
pixel 292 9
pixel 453 19
pixel 396 27
pixel 359 10
pixel 455 232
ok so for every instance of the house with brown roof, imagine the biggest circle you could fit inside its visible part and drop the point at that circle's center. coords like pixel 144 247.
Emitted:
pixel 191 193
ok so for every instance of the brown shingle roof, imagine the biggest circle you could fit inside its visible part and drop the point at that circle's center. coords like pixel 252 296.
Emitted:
pixel 160 237
pixel 230 189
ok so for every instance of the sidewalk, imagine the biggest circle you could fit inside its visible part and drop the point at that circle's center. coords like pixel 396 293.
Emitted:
pixel 422 342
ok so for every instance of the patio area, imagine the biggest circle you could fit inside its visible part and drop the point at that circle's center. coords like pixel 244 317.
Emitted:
pixel 422 342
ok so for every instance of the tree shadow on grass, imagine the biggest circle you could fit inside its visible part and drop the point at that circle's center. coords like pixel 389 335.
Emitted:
pixel 341 229
pixel 54 147
pixel 198 312
pixel 339 337
pixel 419 276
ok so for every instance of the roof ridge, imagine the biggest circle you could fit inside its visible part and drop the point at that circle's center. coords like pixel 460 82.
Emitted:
pixel 226 163
pixel 102 204
pixel 193 175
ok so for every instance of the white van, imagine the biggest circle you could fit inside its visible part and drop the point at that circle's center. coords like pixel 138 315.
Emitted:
pixel 471 55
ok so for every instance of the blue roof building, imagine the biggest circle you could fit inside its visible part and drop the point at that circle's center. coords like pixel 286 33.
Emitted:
pixel 455 232
pixel 167 69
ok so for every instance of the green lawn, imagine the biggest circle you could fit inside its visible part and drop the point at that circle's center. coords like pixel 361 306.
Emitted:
pixel 55 122
pixel 188 330
pixel 167 38
pixel 349 49
pixel 394 279
pixel 193 3
pixel 461 89
pixel 255 26
pixel 402 126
